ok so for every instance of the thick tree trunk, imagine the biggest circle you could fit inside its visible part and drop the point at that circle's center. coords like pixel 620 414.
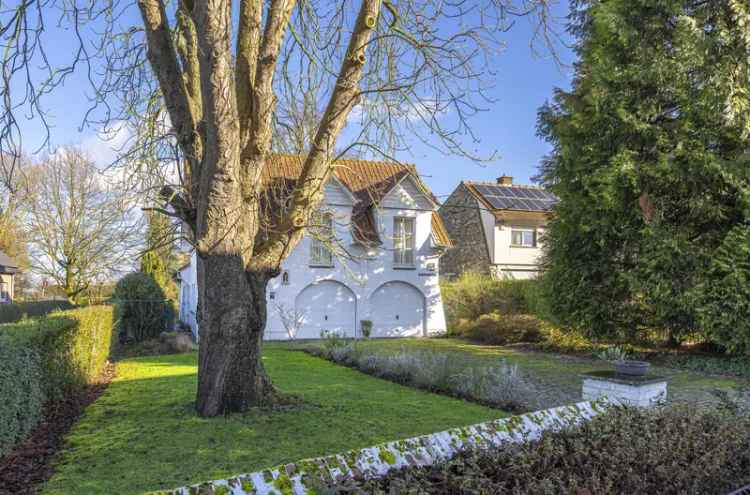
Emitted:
pixel 232 316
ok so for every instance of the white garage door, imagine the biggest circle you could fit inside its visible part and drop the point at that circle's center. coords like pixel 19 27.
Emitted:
pixel 397 310
pixel 327 305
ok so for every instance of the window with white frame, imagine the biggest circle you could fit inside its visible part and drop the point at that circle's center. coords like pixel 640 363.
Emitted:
pixel 523 237
pixel 4 291
pixel 322 236
pixel 403 241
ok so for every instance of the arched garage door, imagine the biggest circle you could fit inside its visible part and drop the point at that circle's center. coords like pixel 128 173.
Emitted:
pixel 397 310
pixel 326 305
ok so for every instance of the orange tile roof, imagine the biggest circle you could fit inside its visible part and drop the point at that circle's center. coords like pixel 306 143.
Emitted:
pixel 368 180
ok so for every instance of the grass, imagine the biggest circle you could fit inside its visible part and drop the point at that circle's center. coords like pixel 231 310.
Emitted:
pixel 560 374
pixel 142 434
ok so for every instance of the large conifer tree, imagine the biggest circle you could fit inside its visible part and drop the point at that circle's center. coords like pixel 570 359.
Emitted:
pixel 650 160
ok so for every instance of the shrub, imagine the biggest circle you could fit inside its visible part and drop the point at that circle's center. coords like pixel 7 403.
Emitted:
pixel 497 329
pixel 613 353
pixel 46 359
pixel 11 313
pixel 473 295
pixel 366 326
pixel 331 340
pixel 142 310
pixel 667 451
pixel 500 385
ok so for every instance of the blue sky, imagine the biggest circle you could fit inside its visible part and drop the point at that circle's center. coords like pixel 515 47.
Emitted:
pixel 524 81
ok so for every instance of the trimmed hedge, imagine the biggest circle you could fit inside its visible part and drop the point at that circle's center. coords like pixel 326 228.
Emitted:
pixel 497 329
pixel 11 313
pixel 625 451
pixel 46 359
pixel 473 295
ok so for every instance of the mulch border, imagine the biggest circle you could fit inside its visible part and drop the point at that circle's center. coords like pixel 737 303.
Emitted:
pixel 26 467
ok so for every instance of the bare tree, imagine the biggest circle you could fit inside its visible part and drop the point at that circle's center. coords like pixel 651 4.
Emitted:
pixel 199 100
pixel 292 319
pixel 81 228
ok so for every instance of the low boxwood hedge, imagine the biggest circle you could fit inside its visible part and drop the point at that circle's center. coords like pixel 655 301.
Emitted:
pixel 673 451
pixel 43 360
pixel 11 313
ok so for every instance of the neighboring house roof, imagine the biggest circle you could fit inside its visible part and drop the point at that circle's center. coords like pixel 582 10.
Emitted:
pixel 369 181
pixel 7 265
pixel 512 197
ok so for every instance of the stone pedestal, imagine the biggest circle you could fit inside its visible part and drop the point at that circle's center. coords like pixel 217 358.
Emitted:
pixel 639 391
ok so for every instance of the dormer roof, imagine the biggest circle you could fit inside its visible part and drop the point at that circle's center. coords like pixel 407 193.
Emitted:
pixel 369 181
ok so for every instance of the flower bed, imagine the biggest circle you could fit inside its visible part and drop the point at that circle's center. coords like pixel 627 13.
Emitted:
pixel 498 385
pixel 667 451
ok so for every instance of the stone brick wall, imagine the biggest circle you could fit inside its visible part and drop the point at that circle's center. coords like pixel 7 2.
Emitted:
pixel 462 218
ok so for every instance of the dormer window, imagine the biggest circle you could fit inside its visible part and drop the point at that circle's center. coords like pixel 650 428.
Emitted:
pixel 403 241
pixel 322 237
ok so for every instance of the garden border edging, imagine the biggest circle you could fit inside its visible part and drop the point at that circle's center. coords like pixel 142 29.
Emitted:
pixel 371 462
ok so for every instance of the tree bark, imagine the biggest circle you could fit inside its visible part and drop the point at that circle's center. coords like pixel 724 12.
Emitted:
pixel 232 316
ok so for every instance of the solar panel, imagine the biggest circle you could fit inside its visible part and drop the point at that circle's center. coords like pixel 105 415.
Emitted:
pixel 517 198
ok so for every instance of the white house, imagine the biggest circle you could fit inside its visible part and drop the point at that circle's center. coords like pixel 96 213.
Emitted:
pixel 382 267
pixel 8 270
pixel 497 227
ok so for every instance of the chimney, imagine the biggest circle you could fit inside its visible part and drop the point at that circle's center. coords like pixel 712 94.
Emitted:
pixel 505 180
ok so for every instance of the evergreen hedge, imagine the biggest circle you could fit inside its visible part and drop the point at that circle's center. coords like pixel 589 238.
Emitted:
pixel 11 313
pixel 44 360
pixel 142 309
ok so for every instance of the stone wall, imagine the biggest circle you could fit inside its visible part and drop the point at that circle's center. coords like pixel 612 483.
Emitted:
pixel 299 478
pixel 462 218
pixel 637 394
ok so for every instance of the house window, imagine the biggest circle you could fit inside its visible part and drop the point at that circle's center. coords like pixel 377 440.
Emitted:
pixel 403 241
pixel 322 236
pixel 523 238
pixel 4 291
pixel 285 278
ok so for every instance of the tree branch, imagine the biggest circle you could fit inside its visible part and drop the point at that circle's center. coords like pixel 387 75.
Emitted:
pixel 248 45
pixel 317 167
pixel 163 59
pixel 264 99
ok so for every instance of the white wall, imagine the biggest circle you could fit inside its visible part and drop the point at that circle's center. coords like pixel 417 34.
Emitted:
pixel 517 262
pixel 364 272
pixel 189 295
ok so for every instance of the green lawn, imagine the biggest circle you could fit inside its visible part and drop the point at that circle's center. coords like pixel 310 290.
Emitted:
pixel 560 374
pixel 142 435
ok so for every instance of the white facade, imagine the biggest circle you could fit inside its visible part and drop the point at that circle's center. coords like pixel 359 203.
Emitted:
pixel 369 285
pixel 513 260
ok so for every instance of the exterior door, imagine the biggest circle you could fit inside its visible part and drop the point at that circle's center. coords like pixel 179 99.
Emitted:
pixel 327 305
pixel 397 310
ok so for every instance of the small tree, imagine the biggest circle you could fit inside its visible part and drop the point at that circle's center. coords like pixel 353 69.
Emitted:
pixel 291 318
pixel 142 311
